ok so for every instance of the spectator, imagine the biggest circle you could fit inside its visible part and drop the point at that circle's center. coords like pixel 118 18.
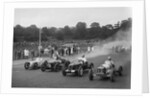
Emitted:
pixel 26 53
pixel 46 51
pixel 92 48
pixel 88 49
pixel 32 54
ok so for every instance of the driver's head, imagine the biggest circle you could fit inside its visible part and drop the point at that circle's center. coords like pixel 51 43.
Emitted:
pixel 109 58
pixel 83 56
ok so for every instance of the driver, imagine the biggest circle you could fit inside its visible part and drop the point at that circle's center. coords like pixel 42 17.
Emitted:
pixel 38 59
pixel 82 59
pixel 109 63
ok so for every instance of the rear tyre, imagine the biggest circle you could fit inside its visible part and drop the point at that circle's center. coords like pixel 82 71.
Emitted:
pixel 120 69
pixel 56 67
pixel 91 65
pixel 35 66
pixel 91 75
pixel 43 68
pixel 44 65
pixel 112 77
pixel 63 71
pixel 80 71
pixel 27 65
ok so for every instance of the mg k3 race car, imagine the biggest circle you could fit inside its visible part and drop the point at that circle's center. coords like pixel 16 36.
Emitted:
pixel 77 68
pixel 105 73
pixel 34 63
pixel 54 65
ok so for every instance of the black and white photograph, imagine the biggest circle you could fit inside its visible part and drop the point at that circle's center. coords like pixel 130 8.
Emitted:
pixel 72 48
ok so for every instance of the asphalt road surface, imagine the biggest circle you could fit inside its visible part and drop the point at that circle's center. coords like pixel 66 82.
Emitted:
pixel 22 78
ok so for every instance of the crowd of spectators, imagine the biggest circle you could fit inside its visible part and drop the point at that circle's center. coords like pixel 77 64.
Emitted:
pixel 24 50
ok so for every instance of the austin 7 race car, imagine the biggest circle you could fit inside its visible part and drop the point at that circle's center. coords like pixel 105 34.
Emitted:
pixel 54 65
pixel 76 68
pixel 34 63
pixel 105 73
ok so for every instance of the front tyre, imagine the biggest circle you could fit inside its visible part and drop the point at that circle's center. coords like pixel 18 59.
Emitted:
pixel 43 68
pixel 27 65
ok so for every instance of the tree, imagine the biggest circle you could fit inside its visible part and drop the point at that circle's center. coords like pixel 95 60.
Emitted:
pixel 117 25
pixel 125 24
pixel 80 30
pixel 67 32
pixel 109 26
pixel 45 34
pixel 94 31
pixel 95 25
pixel 18 33
pixel 31 33
pixel 59 34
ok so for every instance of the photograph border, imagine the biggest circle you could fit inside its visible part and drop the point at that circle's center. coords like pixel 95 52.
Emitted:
pixel 137 49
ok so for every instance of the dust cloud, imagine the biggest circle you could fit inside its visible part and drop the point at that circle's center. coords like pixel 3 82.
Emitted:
pixel 121 38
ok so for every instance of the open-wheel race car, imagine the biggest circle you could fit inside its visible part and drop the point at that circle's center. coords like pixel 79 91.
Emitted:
pixel 34 63
pixel 77 68
pixel 105 73
pixel 54 65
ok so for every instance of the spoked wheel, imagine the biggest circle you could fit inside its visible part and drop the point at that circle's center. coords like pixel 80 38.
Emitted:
pixel 112 76
pixel 64 71
pixel 91 75
pixel 120 69
pixel 91 65
pixel 35 65
pixel 56 67
pixel 43 67
pixel 27 65
pixel 112 79
pixel 80 71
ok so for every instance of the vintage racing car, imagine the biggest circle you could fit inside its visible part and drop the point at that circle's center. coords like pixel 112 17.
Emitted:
pixel 105 73
pixel 54 65
pixel 76 68
pixel 34 63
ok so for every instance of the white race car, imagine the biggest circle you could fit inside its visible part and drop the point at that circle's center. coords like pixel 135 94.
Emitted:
pixel 34 64
pixel 104 72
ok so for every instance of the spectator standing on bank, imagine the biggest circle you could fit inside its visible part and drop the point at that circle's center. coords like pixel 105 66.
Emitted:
pixel 32 54
pixel 19 54
pixel 46 51
pixel 88 49
pixel 92 48
pixel 71 50
pixel 26 53
pixel 78 49
pixel 65 51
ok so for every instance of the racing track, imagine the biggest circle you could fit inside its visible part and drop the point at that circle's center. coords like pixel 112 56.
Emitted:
pixel 37 79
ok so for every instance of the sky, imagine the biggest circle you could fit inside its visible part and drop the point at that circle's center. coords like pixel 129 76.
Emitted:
pixel 60 17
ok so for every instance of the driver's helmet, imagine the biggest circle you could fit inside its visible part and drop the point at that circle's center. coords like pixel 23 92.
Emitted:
pixel 109 58
pixel 83 56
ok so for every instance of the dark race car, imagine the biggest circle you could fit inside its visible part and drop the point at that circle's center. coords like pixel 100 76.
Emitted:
pixel 34 64
pixel 54 65
pixel 105 73
pixel 76 68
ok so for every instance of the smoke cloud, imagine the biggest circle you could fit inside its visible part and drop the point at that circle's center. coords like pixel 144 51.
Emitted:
pixel 121 38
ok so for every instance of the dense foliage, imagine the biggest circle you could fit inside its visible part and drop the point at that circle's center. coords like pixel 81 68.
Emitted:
pixel 79 32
